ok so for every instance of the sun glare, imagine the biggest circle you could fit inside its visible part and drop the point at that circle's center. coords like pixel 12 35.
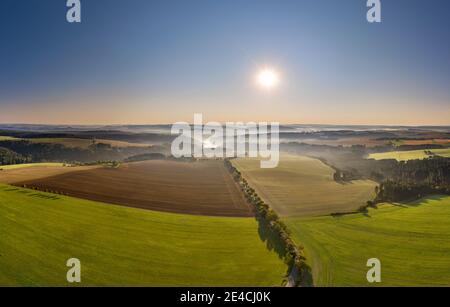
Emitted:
pixel 268 79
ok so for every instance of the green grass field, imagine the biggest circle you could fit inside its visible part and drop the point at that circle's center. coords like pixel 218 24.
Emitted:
pixel 412 242
pixel 26 165
pixel 302 186
pixel 8 138
pixel 126 246
pixel 409 155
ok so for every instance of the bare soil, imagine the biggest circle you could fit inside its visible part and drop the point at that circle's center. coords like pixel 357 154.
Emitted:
pixel 199 188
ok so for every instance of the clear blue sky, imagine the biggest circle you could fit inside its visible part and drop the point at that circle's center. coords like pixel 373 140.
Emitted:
pixel 143 61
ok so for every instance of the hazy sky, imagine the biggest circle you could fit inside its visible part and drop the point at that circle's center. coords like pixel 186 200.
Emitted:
pixel 144 61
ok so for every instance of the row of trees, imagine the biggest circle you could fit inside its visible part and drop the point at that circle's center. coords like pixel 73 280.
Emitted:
pixel 344 176
pixel 391 191
pixel 8 157
pixel 268 218
pixel 106 163
pixel 40 152
pixel 415 179
pixel 434 172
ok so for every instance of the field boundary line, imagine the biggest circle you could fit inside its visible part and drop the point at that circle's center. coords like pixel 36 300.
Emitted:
pixel 299 271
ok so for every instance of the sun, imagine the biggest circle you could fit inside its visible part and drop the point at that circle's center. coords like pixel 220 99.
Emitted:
pixel 267 79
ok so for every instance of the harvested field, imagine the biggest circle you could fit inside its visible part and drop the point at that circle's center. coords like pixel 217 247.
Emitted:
pixel 11 174
pixel 200 188
pixel 8 138
pixel 410 155
pixel 426 142
pixel 346 142
pixel 85 143
pixel 302 186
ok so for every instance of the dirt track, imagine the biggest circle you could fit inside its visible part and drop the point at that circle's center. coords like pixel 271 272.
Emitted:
pixel 201 188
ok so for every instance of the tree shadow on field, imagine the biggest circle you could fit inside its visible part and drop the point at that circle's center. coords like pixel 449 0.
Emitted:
pixel 343 215
pixel 344 182
pixel 39 195
pixel 411 203
pixel 400 205
pixel 273 242
pixel 307 277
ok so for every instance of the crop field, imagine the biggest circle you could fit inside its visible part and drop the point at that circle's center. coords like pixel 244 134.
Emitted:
pixel 411 241
pixel 19 172
pixel 85 143
pixel 7 138
pixel 302 186
pixel 410 155
pixel 28 165
pixel 202 188
pixel 421 142
pixel 346 142
pixel 75 142
pixel 121 246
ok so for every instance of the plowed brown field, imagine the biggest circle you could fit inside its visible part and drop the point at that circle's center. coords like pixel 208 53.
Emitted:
pixel 201 188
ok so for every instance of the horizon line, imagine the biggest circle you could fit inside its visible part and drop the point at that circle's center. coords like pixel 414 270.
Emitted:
pixel 281 124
